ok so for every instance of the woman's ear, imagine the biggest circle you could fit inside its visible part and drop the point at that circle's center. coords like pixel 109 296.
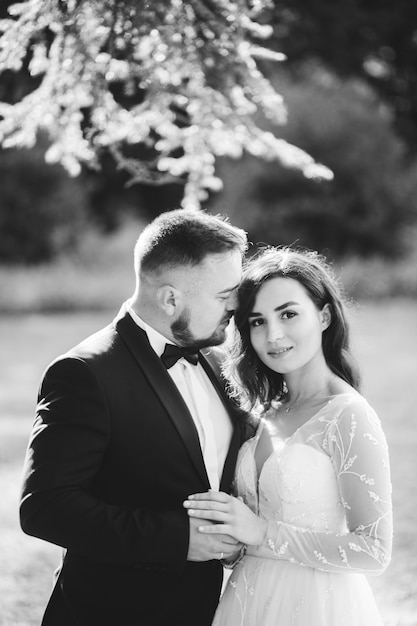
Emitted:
pixel 325 316
pixel 168 299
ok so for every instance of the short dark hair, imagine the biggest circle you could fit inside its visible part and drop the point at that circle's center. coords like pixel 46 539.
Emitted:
pixel 184 237
pixel 251 381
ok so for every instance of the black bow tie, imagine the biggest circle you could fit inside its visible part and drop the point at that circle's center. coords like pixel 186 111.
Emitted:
pixel 173 353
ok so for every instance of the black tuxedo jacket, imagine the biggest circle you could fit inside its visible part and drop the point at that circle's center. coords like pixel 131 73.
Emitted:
pixel 113 454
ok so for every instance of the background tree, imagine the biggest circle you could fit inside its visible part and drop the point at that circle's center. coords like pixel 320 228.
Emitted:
pixel 372 201
pixel 156 95
pixel 375 41
pixel 43 211
pixel 164 86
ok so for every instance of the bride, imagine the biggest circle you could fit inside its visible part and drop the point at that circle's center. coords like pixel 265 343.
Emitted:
pixel 312 499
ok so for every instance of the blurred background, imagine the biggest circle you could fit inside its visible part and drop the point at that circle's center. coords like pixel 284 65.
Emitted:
pixel 66 246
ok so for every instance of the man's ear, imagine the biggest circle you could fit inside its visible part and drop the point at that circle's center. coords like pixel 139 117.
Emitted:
pixel 326 316
pixel 168 298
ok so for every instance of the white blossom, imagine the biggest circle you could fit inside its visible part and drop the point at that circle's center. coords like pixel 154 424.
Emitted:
pixel 178 76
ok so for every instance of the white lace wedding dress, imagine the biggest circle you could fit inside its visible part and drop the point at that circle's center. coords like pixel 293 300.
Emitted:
pixel 326 494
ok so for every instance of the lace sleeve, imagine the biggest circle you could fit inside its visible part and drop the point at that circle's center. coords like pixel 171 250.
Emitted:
pixel 357 446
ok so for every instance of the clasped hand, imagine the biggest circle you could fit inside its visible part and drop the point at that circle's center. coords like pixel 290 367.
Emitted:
pixel 228 515
pixel 203 547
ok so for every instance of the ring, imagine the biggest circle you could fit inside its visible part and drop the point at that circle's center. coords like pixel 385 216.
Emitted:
pixel 221 555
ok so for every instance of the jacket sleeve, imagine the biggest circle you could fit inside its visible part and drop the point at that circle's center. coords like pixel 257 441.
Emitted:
pixel 69 441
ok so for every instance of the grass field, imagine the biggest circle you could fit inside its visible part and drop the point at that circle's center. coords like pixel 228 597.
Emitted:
pixel 385 340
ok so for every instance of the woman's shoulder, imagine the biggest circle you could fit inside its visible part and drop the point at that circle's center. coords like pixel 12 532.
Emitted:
pixel 351 410
pixel 347 396
pixel 353 400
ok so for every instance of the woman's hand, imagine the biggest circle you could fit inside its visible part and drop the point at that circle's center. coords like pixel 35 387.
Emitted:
pixel 229 515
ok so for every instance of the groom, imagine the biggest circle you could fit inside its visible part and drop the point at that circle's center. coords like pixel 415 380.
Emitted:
pixel 128 426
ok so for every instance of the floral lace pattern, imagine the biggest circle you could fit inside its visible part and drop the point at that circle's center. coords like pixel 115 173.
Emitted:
pixel 326 494
pixel 331 493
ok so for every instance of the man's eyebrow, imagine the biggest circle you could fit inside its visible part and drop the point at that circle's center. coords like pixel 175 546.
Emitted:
pixel 228 289
pixel 278 308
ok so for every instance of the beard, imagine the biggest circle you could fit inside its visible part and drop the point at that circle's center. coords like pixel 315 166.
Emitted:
pixel 184 337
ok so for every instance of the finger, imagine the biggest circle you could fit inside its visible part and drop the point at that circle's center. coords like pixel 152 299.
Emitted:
pixel 227 554
pixel 216 516
pixel 212 496
pixel 198 496
pixel 223 529
pixel 230 541
pixel 205 505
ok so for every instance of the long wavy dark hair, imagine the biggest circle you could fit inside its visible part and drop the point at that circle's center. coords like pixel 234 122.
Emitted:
pixel 250 381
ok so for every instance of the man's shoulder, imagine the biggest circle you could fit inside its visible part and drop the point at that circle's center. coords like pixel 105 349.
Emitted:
pixel 96 345
pixel 100 342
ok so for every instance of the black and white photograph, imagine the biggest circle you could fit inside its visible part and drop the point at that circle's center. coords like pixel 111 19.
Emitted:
pixel 208 305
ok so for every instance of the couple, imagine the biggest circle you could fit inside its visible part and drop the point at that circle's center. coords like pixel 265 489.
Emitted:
pixel 142 429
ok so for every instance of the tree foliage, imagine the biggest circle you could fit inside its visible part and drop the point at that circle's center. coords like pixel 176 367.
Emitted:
pixel 375 41
pixel 165 85
pixel 43 211
pixel 372 201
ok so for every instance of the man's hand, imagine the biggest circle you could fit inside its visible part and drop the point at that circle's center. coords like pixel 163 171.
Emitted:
pixel 206 547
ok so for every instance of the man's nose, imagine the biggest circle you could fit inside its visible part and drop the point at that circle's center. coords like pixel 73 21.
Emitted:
pixel 231 303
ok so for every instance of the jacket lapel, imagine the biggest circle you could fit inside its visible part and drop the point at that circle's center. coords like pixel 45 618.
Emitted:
pixel 160 381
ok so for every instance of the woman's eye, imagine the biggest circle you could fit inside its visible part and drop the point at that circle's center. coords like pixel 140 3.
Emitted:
pixel 287 315
pixel 255 323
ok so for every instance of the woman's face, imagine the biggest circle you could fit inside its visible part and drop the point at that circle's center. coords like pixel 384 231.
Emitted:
pixel 286 326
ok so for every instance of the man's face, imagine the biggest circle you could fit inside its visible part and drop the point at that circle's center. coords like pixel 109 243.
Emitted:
pixel 209 301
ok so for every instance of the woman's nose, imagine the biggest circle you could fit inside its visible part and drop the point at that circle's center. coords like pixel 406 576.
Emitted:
pixel 274 332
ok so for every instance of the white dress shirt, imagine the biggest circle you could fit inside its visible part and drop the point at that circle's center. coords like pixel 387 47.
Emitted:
pixel 210 417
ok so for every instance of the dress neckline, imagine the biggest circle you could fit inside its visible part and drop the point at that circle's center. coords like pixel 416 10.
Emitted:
pixel 310 419
pixel 287 440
